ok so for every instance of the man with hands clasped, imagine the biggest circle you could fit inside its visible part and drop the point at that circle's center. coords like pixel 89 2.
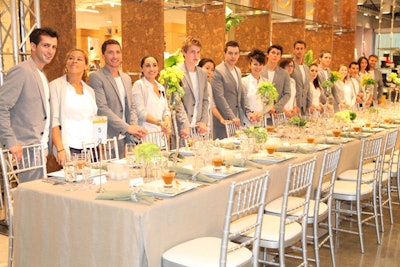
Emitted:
pixel 229 95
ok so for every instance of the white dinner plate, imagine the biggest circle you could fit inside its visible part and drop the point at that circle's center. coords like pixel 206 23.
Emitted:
pixel 185 151
pixel 156 188
pixel 223 173
pixel 60 174
pixel 270 159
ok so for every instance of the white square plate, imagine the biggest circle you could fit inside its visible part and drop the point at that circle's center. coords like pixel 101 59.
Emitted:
pixel 223 173
pixel 270 159
pixel 156 188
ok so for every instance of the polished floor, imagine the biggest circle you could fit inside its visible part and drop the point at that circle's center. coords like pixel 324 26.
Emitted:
pixel 346 246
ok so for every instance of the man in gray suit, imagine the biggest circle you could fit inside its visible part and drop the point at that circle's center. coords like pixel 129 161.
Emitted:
pixel 324 72
pixel 377 76
pixel 301 74
pixel 195 85
pixel 113 90
pixel 25 100
pixel 229 95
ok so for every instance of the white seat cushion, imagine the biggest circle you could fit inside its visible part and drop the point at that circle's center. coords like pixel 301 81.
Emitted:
pixel 201 252
pixel 275 207
pixel 351 175
pixel 349 188
pixel 270 228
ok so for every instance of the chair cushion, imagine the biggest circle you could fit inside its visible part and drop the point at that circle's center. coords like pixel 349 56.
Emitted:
pixel 351 175
pixel 349 188
pixel 201 252
pixel 270 227
pixel 275 207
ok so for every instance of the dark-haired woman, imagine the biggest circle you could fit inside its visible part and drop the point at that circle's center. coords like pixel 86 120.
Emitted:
pixel 149 99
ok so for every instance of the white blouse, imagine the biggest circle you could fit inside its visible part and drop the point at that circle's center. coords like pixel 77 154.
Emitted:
pixel 315 94
pixel 155 106
pixel 79 111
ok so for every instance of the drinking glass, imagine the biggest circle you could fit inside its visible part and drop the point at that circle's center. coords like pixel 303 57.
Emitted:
pixel 130 154
pixel 168 177
pixel 270 147
pixel 79 160
pixel 86 171
pixel 217 159
pixel 70 171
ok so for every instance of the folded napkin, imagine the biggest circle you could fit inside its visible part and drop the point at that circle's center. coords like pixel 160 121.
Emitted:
pixel 228 144
pixel 239 163
pixel 328 140
pixel 286 148
pixel 187 174
pixel 125 195
pixel 304 149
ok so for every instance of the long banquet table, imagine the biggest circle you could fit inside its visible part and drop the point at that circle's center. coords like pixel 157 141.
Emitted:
pixel 54 227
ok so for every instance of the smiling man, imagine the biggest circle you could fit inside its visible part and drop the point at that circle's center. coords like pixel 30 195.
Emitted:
pixel 25 99
pixel 113 90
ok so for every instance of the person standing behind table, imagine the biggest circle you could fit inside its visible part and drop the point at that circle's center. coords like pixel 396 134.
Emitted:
pixel 278 76
pixel 195 84
pixel 252 81
pixel 228 91
pixel 363 66
pixel 377 76
pixel 113 90
pixel 24 100
pixel 317 96
pixel 354 79
pixel 73 105
pixel 208 65
pixel 290 108
pixel 324 72
pixel 342 95
pixel 300 75
pixel 149 98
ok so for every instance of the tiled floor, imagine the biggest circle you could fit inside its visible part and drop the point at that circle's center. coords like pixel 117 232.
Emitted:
pixel 347 247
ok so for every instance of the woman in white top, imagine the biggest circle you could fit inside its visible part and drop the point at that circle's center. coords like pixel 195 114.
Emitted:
pixel 149 99
pixel 251 82
pixel 73 106
pixel 343 91
pixel 316 94
pixel 290 107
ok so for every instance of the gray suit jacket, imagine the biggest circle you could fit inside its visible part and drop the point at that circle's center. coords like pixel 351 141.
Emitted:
pixel 321 75
pixel 229 97
pixel 282 84
pixel 109 103
pixel 189 97
pixel 22 106
pixel 302 88
pixel 378 92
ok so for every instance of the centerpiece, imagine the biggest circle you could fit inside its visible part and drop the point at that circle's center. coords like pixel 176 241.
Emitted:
pixel 368 83
pixel 345 116
pixel 259 134
pixel 268 94
pixel 328 83
pixel 297 121
pixel 145 154
pixel 171 78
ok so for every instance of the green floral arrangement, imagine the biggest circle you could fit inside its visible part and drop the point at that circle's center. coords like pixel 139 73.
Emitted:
pixel 393 78
pixel 258 132
pixel 373 110
pixel 297 121
pixel 231 21
pixel 334 76
pixel 174 59
pixel 145 152
pixel 345 116
pixel 308 58
pixel 171 78
pixel 367 79
pixel 268 91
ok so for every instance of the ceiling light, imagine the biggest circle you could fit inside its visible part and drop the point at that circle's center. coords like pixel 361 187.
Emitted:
pixel 360 2
pixel 365 14
pixel 386 8
pixel 112 3
pixel 80 9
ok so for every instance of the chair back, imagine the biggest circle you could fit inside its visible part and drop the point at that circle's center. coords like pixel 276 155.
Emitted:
pixel 102 152
pixel 370 152
pixel 280 119
pixel 158 138
pixel 298 184
pixel 231 129
pixel 33 158
pixel 388 154
pixel 245 198
pixel 327 177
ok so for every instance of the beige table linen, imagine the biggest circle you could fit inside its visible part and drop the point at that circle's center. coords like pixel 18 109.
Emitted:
pixel 54 227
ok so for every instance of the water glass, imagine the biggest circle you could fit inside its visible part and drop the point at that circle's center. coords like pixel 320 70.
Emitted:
pixel 70 171
pixel 217 159
pixel 130 154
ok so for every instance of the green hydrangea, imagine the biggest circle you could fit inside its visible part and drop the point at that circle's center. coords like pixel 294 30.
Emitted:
pixel 145 152
pixel 268 90
pixel 171 77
